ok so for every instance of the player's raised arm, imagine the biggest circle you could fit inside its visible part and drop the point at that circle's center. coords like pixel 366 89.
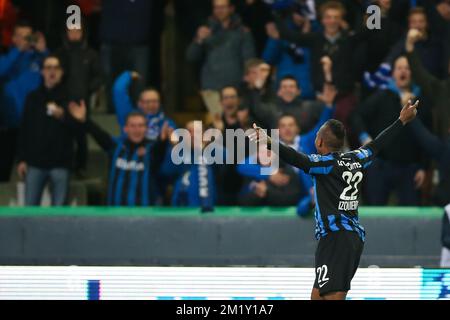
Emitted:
pixel 407 114
pixel 287 154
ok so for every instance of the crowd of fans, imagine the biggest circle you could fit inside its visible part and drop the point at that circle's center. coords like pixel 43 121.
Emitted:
pixel 282 64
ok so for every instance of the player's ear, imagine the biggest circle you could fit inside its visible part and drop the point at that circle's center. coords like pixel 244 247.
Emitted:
pixel 319 142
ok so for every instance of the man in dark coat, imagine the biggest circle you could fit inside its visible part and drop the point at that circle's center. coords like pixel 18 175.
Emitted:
pixel 83 77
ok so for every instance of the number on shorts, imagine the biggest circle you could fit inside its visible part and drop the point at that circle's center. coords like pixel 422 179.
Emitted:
pixel 322 274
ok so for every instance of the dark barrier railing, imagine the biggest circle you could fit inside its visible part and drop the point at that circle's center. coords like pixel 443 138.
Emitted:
pixel 396 237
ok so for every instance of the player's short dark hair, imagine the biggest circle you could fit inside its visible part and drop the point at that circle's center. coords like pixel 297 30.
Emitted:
pixel 335 134
pixel 136 113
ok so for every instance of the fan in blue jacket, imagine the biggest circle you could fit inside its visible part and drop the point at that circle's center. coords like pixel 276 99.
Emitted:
pixel 20 72
pixel 289 59
pixel 150 104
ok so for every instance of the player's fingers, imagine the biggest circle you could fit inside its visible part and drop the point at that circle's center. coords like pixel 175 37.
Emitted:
pixel 257 129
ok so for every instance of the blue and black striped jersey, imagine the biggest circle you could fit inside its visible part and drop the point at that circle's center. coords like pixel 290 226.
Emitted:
pixel 130 175
pixel 133 169
pixel 337 180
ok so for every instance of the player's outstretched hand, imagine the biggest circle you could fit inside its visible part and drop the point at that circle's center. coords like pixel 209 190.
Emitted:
pixel 259 135
pixel 409 112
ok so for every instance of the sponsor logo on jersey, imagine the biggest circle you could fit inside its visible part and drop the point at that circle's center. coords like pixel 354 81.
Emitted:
pixel 349 165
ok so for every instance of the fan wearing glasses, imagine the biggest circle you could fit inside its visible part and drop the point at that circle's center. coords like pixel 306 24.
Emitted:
pixel 46 138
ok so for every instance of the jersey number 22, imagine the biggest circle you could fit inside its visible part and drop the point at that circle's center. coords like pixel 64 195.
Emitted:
pixel 352 184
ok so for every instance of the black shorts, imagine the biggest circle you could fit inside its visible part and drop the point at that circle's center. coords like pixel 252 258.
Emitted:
pixel 337 259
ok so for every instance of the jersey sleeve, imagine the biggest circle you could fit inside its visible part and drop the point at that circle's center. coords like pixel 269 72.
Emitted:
pixel 320 165
pixel 313 164
pixel 365 156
